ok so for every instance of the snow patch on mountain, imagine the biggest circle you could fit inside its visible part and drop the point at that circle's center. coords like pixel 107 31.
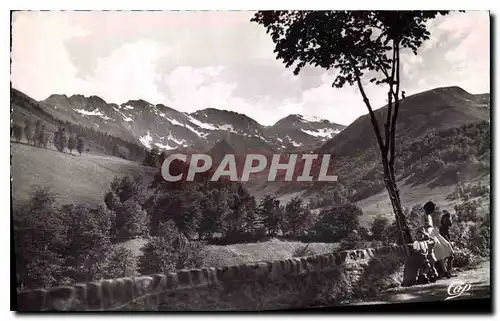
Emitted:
pixel 311 118
pixel 180 142
pixel 258 136
pixel 294 143
pixel 228 128
pixel 323 132
pixel 162 146
pixel 95 112
pixel 195 131
pixel 127 119
pixel 146 140
pixel 128 107
pixel 201 124
pixel 173 121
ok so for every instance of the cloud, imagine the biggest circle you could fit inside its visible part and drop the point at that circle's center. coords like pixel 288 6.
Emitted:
pixel 129 72
pixel 41 64
pixel 196 60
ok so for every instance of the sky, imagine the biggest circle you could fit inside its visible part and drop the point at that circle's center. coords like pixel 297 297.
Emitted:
pixel 219 59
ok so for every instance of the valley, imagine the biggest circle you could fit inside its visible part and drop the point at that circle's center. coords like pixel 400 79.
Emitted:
pixel 86 178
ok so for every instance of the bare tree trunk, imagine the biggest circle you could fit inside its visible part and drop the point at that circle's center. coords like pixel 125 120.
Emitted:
pixel 387 151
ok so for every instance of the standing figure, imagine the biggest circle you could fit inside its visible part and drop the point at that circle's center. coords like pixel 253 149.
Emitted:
pixel 443 248
pixel 424 250
pixel 444 230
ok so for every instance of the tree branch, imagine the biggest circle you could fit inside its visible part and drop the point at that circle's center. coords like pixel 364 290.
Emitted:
pixel 370 110
pixel 390 94
pixel 396 111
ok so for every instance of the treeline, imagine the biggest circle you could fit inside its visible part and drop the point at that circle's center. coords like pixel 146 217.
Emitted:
pixel 38 136
pixel 103 142
pixel 439 157
pixel 109 144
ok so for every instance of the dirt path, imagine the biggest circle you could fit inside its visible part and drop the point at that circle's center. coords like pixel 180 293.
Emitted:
pixel 479 280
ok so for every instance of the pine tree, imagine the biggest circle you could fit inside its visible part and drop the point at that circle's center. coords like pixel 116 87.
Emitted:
pixel 270 212
pixel 36 134
pixel 80 147
pixel 152 157
pixel 28 132
pixel 41 136
pixel 17 132
pixel 297 218
pixel 61 139
pixel 72 143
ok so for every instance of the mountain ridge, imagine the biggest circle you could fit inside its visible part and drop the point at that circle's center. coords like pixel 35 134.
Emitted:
pixel 148 124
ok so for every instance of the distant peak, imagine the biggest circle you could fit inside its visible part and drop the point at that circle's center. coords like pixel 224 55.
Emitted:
pixel 301 118
pixel 139 102
pixel 57 96
pixel 450 89
pixel 214 110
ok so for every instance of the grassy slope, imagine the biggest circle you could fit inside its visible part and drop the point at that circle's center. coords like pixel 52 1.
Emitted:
pixel 74 178
pixel 254 252
pixel 411 196
pixel 236 254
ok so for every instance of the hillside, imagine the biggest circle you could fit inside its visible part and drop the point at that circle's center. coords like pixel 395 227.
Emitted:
pixel 434 110
pixel 443 136
pixel 25 109
pixel 74 178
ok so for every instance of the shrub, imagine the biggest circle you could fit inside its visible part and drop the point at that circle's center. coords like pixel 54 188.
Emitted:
pixel 353 241
pixel 379 228
pixel 467 210
pixel 39 239
pixel 87 243
pixel 471 241
pixel 336 223
pixel 125 200
pixel 303 251
pixel 130 220
pixel 380 274
pixel 120 262
pixel 169 252
pixel 464 191
pixel 465 258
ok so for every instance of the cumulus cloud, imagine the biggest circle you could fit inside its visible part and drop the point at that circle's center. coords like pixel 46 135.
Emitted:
pixel 41 65
pixel 129 72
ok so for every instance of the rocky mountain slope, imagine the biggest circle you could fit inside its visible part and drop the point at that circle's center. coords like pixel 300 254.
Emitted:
pixel 144 123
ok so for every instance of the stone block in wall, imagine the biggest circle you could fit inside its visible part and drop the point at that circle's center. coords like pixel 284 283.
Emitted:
pixel 172 281
pixel 210 275
pixel 59 298
pixel 80 300
pixel 94 296
pixel 32 300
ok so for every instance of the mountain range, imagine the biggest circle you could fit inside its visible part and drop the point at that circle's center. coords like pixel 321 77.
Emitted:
pixel 158 125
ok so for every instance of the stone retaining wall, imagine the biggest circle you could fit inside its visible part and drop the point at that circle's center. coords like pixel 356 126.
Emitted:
pixel 115 294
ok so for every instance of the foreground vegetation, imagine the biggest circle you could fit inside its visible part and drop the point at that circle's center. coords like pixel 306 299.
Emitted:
pixel 64 244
